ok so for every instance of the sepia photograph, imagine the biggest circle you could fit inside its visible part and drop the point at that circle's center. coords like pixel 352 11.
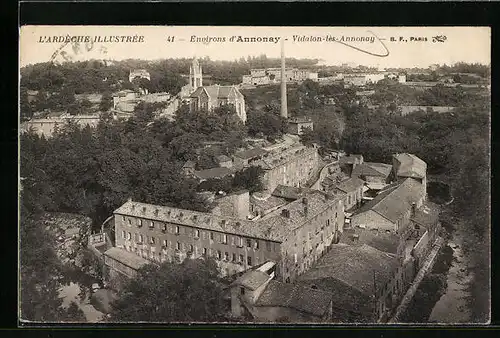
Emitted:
pixel 252 174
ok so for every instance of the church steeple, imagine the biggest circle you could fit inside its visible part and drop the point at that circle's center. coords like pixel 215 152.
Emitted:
pixel 195 74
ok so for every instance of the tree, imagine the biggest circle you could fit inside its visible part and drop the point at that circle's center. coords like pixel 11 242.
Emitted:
pixel 189 291
pixel 106 102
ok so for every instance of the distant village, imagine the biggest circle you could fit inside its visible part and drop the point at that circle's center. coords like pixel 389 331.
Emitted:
pixel 208 97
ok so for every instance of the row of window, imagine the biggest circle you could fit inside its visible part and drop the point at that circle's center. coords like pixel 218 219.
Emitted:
pixel 239 259
pixel 196 233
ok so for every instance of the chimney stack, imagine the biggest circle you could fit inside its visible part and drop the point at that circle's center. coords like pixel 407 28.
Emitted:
pixel 284 108
pixel 413 208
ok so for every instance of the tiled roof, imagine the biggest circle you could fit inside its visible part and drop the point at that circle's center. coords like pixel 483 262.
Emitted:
pixel 218 92
pixel 372 169
pixel 253 279
pixel 317 202
pixel 393 202
pixel 356 266
pixel 128 258
pixel 344 297
pixel 274 228
pixel 410 166
pixel 351 184
pixel 277 158
pixel 268 203
pixel 295 296
pixel 380 240
pixel 250 153
pixel 218 172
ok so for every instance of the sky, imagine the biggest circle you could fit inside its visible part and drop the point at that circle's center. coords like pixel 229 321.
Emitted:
pixel 461 44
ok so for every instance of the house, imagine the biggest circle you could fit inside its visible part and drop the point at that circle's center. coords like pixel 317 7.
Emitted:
pixel 372 172
pixel 258 295
pixel 210 97
pixel 224 161
pixel 213 173
pixel 391 209
pixel 140 73
pixel 348 163
pixel 291 166
pixel 408 165
pixel 361 279
pixel 352 189
pixel 47 126
pixel 247 157
pixel 297 125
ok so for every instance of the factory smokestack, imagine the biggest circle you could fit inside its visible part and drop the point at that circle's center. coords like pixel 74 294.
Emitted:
pixel 284 108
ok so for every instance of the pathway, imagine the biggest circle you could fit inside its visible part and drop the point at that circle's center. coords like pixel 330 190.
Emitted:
pixel 429 262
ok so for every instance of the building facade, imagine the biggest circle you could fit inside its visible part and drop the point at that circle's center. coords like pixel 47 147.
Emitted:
pixel 293 166
pixel 210 97
pixel 294 236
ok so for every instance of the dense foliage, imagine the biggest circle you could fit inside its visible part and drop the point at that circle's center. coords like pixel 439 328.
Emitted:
pixel 186 292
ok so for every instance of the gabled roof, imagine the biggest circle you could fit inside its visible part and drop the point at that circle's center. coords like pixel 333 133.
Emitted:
pixel 250 153
pixel 394 201
pixel 218 92
pixel 410 166
pixel 252 279
pixel 380 240
pixel 297 297
pixel 372 169
pixel 357 266
pixel 351 184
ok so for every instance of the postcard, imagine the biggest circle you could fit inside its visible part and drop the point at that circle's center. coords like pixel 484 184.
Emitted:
pixel 237 174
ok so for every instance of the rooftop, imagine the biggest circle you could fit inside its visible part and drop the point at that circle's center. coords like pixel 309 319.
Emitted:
pixel 283 155
pixel 218 92
pixel 218 172
pixel 295 296
pixel 372 169
pixel 273 227
pixel 128 258
pixel 381 240
pixel 316 202
pixel 351 184
pixel 300 120
pixel 392 202
pixel 356 266
pixel 410 166
pixel 267 203
pixel 250 153
pixel 253 279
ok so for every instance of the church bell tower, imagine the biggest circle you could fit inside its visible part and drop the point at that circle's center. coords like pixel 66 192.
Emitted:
pixel 195 74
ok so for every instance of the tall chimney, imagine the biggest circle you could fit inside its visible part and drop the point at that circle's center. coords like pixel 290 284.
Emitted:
pixel 284 108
